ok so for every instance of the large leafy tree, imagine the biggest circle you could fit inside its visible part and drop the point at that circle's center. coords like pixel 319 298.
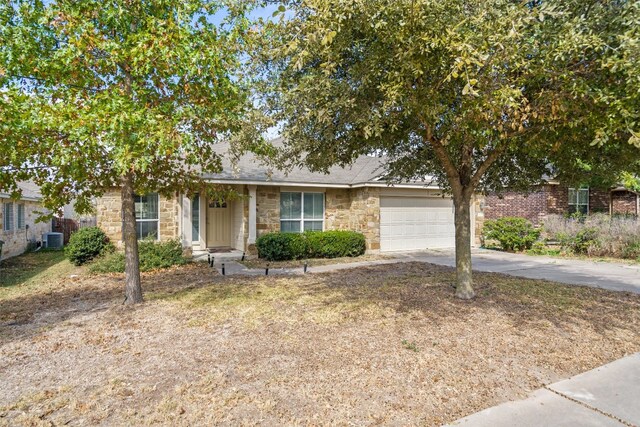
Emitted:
pixel 123 93
pixel 474 95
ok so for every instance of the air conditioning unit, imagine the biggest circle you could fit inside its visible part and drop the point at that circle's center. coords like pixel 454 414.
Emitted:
pixel 53 240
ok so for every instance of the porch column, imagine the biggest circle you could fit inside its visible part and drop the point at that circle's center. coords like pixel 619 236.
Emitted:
pixel 252 214
pixel 187 229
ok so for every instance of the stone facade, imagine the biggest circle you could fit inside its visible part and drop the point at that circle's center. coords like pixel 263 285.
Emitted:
pixel 16 240
pixel 365 215
pixel 109 216
pixel 268 210
pixel 624 203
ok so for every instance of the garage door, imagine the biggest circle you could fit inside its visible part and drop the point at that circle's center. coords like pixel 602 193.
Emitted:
pixel 408 223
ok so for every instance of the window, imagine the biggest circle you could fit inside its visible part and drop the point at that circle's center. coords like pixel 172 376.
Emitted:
pixel 147 216
pixel 579 200
pixel 195 218
pixel 7 215
pixel 301 212
pixel 21 216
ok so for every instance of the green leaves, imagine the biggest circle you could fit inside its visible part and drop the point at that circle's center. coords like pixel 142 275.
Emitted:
pixel 109 88
pixel 506 88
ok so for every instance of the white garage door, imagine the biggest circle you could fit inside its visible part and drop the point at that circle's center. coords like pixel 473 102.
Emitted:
pixel 408 223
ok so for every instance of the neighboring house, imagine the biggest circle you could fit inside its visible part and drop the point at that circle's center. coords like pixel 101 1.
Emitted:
pixel 553 198
pixel 18 218
pixel 403 217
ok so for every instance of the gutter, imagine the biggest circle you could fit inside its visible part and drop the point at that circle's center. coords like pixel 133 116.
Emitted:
pixel 322 185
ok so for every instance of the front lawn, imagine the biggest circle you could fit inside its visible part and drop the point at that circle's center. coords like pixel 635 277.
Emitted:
pixel 387 344
pixel 311 262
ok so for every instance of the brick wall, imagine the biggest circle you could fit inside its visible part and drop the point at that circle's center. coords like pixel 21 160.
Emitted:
pixel 599 201
pixel 533 206
pixel 15 241
pixel 624 202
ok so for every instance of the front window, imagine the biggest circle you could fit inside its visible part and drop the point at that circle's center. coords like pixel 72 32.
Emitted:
pixel 21 222
pixel 579 200
pixel 7 215
pixel 147 218
pixel 301 212
pixel 195 218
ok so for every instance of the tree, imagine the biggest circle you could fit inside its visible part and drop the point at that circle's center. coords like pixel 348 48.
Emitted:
pixel 128 94
pixel 474 95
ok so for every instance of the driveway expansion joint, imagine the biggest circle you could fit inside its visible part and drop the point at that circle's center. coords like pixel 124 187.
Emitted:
pixel 606 414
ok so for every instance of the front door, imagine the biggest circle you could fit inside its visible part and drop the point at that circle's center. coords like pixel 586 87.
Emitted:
pixel 218 224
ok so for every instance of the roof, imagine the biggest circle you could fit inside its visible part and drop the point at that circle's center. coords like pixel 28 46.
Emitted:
pixel 30 191
pixel 250 169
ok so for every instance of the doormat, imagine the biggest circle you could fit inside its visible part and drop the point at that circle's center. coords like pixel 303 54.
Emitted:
pixel 224 249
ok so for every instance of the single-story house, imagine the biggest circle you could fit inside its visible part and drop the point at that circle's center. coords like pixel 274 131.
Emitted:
pixel 18 218
pixel 408 216
pixel 554 198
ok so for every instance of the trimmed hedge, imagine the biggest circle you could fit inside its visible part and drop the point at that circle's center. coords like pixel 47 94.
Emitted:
pixel 86 244
pixel 153 255
pixel 512 233
pixel 310 244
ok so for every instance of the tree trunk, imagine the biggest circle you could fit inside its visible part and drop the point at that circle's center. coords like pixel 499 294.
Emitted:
pixel 464 289
pixel 132 290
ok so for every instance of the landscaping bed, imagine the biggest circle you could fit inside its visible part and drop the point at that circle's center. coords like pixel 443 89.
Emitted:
pixel 377 345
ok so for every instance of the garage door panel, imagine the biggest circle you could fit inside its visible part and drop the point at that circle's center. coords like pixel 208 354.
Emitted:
pixel 408 223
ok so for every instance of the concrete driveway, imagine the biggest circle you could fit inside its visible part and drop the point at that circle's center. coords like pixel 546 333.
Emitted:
pixel 607 275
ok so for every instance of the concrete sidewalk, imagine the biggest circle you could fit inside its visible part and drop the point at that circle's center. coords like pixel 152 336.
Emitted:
pixel 606 396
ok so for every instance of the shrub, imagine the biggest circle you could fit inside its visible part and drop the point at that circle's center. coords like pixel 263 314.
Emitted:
pixel 311 244
pixel 153 255
pixel 512 233
pixel 282 246
pixel 335 244
pixel 86 244
pixel 596 235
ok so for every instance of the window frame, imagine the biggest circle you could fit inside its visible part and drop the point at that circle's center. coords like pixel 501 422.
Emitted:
pixel 156 220
pixel 575 203
pixel 21 219
pixel 302 218
pixel 8 216
pixel 195 201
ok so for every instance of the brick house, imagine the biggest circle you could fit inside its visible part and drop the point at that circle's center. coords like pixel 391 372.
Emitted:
pixel 406 216
pixel 553 198
pixel 18 219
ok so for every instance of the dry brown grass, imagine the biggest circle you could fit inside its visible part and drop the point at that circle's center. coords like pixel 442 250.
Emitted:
pixel 312 262
pixel 377 345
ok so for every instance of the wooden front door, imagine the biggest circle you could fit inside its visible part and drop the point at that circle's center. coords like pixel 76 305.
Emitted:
pixel 218 224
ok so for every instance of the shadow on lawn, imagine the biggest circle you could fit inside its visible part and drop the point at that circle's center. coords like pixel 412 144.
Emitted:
pixel 20 269
pixel 405 290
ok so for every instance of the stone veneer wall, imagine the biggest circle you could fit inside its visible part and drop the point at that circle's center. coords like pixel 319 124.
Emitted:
pixel 365 215
pixel 268 210
pixel 109 216
pixel 15 241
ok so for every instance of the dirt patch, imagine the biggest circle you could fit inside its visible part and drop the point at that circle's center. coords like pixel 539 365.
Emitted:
pixel 377 345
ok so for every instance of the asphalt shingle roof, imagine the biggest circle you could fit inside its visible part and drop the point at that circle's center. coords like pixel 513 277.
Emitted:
pixel 250 168
pixel 29 191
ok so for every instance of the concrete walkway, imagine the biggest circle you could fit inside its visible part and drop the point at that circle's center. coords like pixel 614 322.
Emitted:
pixel 607 275
pixel 606 396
